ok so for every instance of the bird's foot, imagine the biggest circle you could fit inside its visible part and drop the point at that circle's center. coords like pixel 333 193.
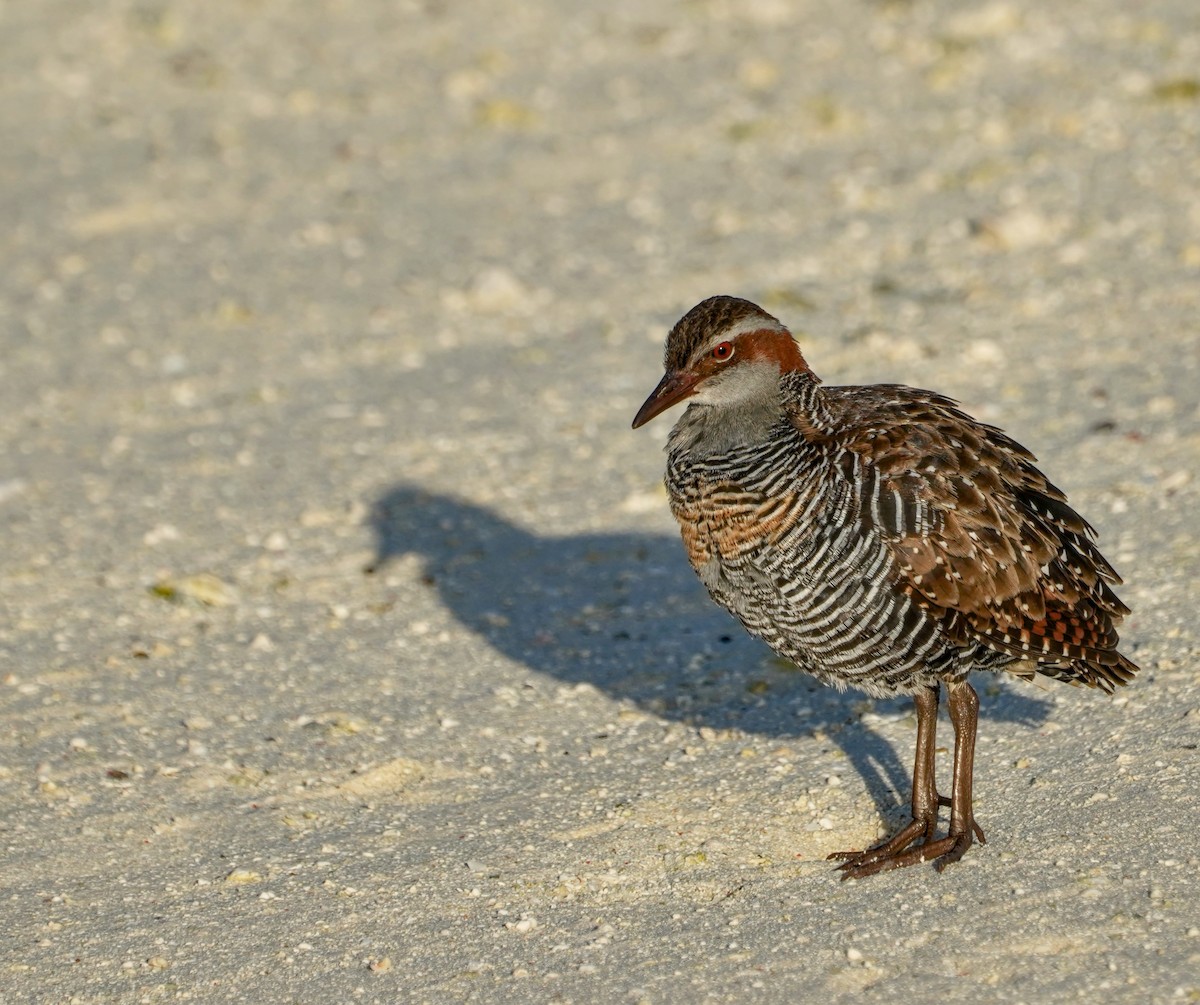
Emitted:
pixel 910 845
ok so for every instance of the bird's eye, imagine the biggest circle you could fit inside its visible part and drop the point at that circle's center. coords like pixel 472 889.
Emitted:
pixel 722 350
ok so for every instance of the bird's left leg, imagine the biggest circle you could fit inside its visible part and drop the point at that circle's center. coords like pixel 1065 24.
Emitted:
pixel 964 713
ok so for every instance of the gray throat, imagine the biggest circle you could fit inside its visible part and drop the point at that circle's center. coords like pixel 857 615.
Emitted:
pixel 708 430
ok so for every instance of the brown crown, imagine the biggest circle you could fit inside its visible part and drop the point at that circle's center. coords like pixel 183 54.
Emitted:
pixel 702 322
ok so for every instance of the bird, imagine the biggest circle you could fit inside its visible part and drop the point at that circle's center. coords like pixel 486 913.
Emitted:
pixel 880 538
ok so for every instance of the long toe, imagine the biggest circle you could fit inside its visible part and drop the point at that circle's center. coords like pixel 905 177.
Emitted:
pixel 886 849
pixel 941 851
pixel 956 851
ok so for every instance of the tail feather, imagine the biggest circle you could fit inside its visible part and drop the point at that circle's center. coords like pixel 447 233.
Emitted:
pixel 1113 671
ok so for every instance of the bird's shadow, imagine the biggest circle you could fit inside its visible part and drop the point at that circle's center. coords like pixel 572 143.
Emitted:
pixel 623 612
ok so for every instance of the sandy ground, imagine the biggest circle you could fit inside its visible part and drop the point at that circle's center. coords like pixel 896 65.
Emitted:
pixel 289 292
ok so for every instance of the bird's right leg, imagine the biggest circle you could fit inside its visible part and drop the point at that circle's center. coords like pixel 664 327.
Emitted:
pixel 925 798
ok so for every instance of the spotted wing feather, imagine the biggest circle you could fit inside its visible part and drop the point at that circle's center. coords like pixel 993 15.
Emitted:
pixel 981 538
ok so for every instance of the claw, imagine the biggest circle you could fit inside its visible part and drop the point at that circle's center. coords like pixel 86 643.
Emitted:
pixel 941 852
pixel 887 849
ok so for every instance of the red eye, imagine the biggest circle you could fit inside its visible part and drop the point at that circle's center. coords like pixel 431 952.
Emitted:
pixel 722 350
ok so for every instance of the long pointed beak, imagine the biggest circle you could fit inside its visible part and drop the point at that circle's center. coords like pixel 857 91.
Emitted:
pixel 673 388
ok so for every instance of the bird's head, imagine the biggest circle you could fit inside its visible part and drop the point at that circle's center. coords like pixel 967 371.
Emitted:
pixel 725 352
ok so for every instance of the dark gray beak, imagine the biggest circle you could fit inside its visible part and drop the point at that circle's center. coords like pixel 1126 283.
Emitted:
pixel 673 388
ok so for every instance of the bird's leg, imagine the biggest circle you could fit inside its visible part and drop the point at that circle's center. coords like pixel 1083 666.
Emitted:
pixel 925 798
pixel 896 852
pixel 964 713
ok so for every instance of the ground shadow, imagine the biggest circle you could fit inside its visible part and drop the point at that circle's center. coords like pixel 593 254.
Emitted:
pixel 624 613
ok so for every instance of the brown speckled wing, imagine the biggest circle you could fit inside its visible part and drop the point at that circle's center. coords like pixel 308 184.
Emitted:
pixel 980 536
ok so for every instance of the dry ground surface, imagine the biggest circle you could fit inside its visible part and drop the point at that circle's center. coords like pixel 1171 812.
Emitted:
pixel 347 650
